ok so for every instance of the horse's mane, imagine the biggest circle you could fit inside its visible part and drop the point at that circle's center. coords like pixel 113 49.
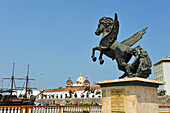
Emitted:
pixel 107 22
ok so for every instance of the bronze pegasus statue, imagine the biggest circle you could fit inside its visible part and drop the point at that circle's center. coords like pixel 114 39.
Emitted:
pixel 122 51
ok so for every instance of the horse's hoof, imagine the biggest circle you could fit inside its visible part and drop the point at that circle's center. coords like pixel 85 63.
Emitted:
pixel 101 62
pixel 94 59
pixel 121 77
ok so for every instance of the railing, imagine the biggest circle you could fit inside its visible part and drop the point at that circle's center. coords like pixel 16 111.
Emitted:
pixel 62 109
pixel 164 109
pixel 52 109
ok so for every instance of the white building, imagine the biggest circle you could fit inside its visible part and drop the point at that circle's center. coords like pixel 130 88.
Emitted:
pixel 76 92
pixel 162 73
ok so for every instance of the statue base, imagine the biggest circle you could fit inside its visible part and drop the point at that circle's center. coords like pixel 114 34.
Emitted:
pixel 129 95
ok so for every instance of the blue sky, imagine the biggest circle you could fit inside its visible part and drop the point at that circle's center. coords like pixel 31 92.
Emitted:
pixel 56 37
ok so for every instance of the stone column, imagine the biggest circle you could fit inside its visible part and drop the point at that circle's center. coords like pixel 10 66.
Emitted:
pixel 129 95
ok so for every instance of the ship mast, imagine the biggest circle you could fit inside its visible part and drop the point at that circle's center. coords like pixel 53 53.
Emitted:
pixel 27 81
pixel 12 80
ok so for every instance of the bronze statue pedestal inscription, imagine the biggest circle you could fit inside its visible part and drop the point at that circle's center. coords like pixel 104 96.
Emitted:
pixel 117 100
pixel 129 95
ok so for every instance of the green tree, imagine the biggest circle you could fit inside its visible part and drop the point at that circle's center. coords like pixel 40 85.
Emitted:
pixel 89 90
pixel 42 95
pixel 29 91
pixel 20 95
pixel 75 95
pixel 52 95
pixel 98 92
pixel 70 93
pixel 45 96
pixel 49 95
pixel 32 96
pixel 66 96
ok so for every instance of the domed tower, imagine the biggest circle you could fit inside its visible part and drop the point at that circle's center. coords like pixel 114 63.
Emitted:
pixel 86 82
pixel 69 82
pixel 79 81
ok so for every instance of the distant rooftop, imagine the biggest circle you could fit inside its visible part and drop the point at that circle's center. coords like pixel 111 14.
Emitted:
pixel 165 59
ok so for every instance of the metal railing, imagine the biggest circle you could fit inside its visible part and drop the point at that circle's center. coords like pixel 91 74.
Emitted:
pixel 52 109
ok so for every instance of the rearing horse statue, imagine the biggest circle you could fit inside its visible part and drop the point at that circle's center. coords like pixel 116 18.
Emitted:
pixel 122 52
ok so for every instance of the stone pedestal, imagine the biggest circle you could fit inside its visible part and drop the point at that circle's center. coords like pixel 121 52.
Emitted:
pixel 129 95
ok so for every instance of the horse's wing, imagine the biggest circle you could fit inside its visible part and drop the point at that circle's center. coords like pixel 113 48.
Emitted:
pixel 136 37
pixel 110 38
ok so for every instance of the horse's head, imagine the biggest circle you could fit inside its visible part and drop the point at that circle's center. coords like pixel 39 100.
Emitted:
pixel 105 24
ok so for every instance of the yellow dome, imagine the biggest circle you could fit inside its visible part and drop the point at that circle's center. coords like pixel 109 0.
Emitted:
pixel 80 79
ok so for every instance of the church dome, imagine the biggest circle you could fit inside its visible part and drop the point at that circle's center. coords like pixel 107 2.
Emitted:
pixel 80 80
pixel 69 82
pixel 86 82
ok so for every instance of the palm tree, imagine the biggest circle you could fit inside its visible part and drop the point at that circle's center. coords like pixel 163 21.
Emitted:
pixel 92 90
pixel 65 95
pixel 75 95
pixel 98 92
pixel 82 95
pixel 30 92
pixel 32 96
pixel 45 96
pixel 20 95
pixel 42 95
pixel 52 95
pixel 71 92
pixel 89 90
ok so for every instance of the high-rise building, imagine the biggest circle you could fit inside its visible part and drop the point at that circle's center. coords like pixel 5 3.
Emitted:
pixel 162 73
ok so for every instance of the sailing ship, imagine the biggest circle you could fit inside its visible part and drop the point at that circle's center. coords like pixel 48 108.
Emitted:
pixel 12 100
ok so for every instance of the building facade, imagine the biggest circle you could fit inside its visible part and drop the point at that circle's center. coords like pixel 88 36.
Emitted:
pixel 79 92
pixel 162 73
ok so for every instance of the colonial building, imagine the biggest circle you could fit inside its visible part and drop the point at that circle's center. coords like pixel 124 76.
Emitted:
pixel 73 92
pixel 162 73
pixel 78 92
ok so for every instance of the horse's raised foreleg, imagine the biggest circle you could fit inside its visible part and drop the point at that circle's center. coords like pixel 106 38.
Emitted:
pixel 100 58
pixel 93 53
